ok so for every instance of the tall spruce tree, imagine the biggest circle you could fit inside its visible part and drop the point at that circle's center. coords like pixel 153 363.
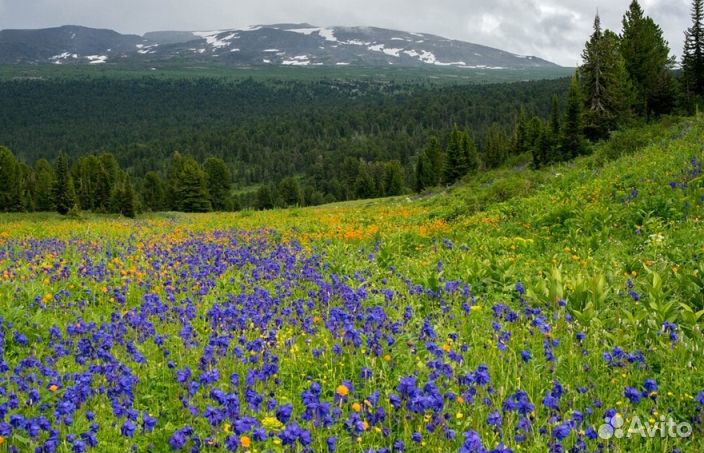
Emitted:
pixel 10 182
pixel 103 190
pixel 290 192
pixel 647 59
pixel 364 186
pixel 85 173
pixel 219 182
pixel 173 177
pixel 555 121
pixel 265 198
pixel 64 194
pixel 123 198
pixel 572 140
pixel 190 188
pixel 424 172
pixel 28 186
pixel 435 156
pixel 520 135
pixel 605 84
pixel 455 165
pixel 543 147
pixel 693 58
pixel 129 200
pixel 393 178
pixel 44 179
pixel 496 147
pixel 153 192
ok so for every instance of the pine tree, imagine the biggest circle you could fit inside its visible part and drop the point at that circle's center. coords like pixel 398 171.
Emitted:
pixel 290 192
pixel 456 165
pixel 219 182
pixel 364 186
pixel 10 182
pixel 648 62
pixel 555 118
pixel 496 150
pixel 435 156
pixel 123 198
pixel 535 128
pixel 85 173
pixel 190 188
pixel 520 134
pixel 44 180
pixel 153 194
pixel 129 201
pixel 605 84
pixel 572 143
pixel 103 190
pixel 543 147
pixel 393 178
pixel 424 172
pixel 693 58
pixel 264 198
pixel 471 153
pixel 173 177
pixel 63 191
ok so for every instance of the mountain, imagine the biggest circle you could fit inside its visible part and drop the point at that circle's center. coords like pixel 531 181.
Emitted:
pixel 279 44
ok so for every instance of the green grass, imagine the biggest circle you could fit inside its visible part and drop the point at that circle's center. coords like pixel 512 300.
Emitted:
pixel 610 245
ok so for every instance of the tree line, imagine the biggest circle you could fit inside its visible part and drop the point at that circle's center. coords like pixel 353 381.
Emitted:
pixel 623 78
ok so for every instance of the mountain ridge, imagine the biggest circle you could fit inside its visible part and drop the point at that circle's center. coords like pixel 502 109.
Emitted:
pixel 276 44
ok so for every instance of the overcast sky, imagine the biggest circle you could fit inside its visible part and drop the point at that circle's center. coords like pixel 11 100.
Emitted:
pixel 551 29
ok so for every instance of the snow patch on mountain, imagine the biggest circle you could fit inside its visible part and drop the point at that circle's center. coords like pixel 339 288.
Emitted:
pixel 305 31
pixel 97 59
pixel 380 48
pixel 300 60
pixel 212 39
pixel 424 56
pixel 328 34
pixel 59 59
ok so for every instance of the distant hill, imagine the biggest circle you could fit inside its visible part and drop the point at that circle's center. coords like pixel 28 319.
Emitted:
pixel 262 45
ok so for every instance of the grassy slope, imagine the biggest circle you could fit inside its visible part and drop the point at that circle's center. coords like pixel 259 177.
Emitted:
pixel 579 231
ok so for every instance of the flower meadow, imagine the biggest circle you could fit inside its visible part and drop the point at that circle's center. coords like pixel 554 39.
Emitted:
pixel 388 326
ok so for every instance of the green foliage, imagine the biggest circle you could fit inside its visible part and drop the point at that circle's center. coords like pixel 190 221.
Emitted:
pixel 265 198
pixel 124 200
pixel 219 182
pixel 520 135
pixel 280 128
pixel 461 156
pixel 393 179
pixel 435 155
pixel 189 186
pixel 605 83
pixel 425 175
pixel 10 182
pixel 64 195
pixel 496 146
pixel 364 186
pixel 44 181
pixel 606 253
pixel 572 143
pixel 693 58
pixel 648 62
pixel 153 192
pixel 290 192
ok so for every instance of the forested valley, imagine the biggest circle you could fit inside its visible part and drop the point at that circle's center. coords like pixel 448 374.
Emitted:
pixel 205 144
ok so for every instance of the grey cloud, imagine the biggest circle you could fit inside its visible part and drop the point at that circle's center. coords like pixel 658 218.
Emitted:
pixel 552 29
